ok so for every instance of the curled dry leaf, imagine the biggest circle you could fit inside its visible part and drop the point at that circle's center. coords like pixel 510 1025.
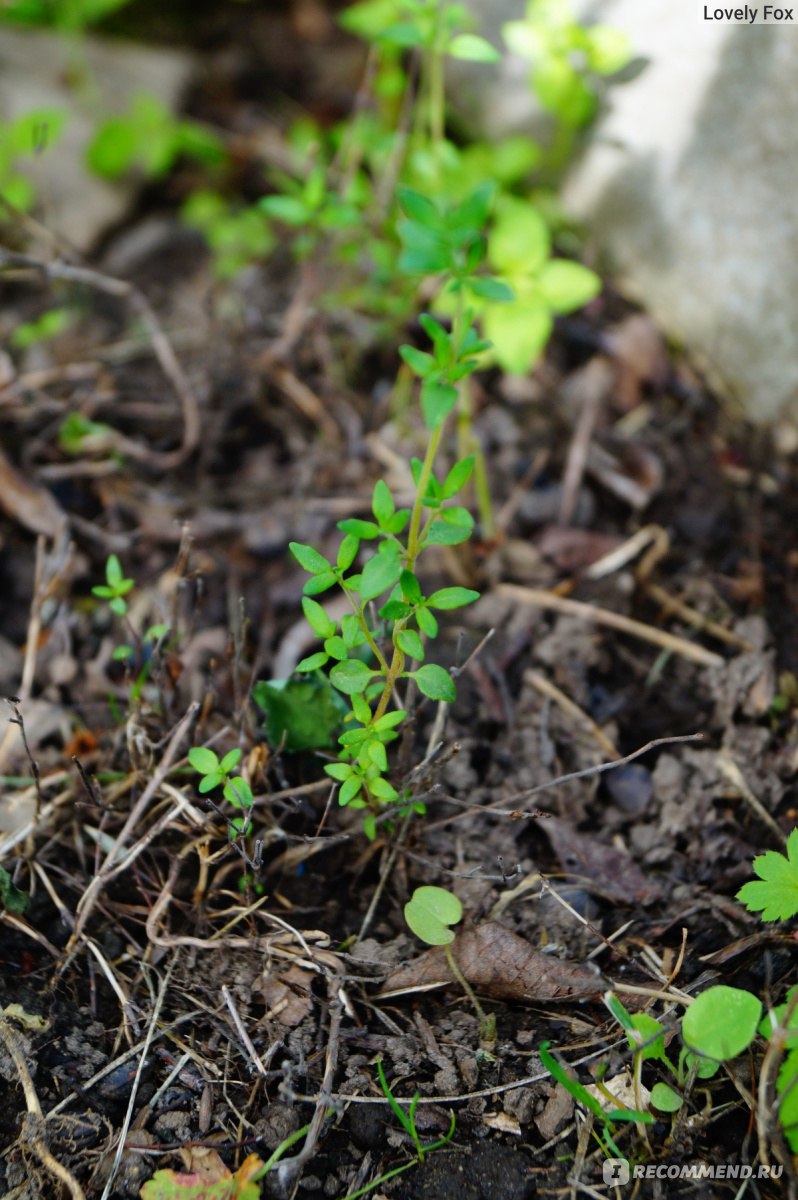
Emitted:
pixel 612 872
pixel 287 996
pixel 29 503
pixel 640 356
pixel 501 965
pixel 574 549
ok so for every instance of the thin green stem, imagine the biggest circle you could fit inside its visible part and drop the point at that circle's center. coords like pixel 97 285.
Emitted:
pixel 414 545
pixel 375 650
pixel 487 1024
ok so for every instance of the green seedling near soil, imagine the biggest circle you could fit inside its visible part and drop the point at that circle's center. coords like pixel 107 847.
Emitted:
pixel 116 586
pixel 408 1122
pixel 237 236
pixel 720 1025
pixel 79 435
pixel 11 897
pixel 364 669
pixel 606 1120
pixel 430 912
pixel 775 894
pixel 48 325
pixel 217 772
pixel 646 1037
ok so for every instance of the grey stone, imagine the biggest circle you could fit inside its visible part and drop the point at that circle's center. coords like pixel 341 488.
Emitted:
pixel 90 80
pixel 687 186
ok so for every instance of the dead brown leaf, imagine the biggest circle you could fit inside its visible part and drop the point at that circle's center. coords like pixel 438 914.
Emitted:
pixel 500 964
pixel 637 348
pixel 287 996
pixel 29 503
pixel 613 872
pixel 574 549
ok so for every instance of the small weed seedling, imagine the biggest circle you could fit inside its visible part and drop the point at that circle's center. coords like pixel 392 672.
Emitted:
pixel 115 588
pixel 408 1122
pixel 215 773
pixel 569 64
pixel 430 912
pixel 721 1024
pixel 606 1119
pixel 141 654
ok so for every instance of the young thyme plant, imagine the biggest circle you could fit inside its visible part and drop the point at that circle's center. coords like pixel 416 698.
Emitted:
pixel 370 661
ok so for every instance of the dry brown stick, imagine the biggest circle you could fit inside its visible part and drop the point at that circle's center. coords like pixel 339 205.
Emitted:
pixel 685 612
pixel 577 454
pixel 289 1169
pixel 586 773
pixel 161 345
pixel 540 598
pixel 90 896
pixel 547 688
pixel 31 1136
pixel 635 545
pixel 305 400
pixel 156 1012
pixel 731 771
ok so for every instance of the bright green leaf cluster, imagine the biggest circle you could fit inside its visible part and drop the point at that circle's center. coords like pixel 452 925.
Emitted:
pixel 28 135
pixel 520 252
pixel 359 669
pixel 567 58
pixel 216 772
pixel 150 138
pixel 116 586
pixel 419 24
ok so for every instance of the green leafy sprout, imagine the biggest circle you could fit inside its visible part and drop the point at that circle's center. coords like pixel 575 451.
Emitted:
pixel 116 586
pixel 364 668
pixel 430 912
pixel 408 1122
pixel 718 1026
pixel 217 772
pixel 606 1120
pixel 568 59
pixel 25 137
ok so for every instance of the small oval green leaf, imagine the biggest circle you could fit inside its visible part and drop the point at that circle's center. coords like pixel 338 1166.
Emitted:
pixel 430 911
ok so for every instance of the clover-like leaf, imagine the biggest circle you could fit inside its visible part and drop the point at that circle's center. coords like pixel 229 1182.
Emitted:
pixel 721 1023
pixel 664 1098
pixel 430 912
